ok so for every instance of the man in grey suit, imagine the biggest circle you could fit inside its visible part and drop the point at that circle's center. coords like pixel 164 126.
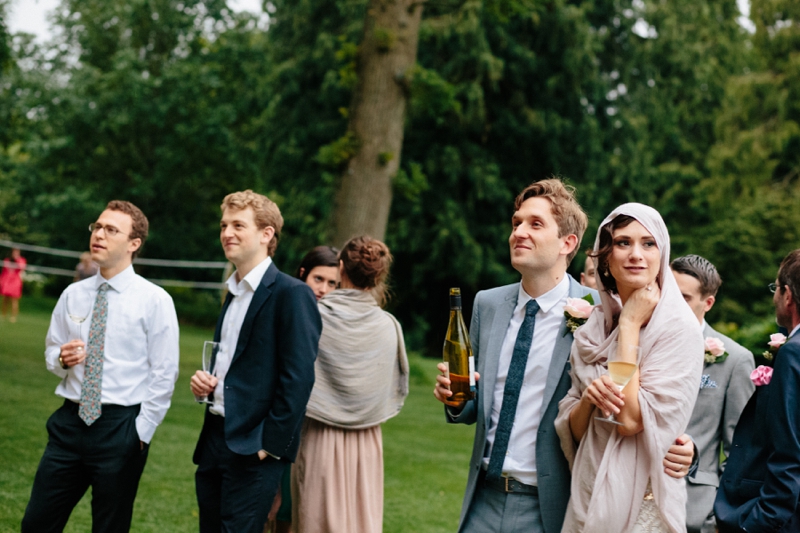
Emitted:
pixel 519 479
pixel 724 391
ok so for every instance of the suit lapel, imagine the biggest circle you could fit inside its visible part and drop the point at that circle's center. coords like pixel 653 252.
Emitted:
pixel 560 353
pixel 261 295
pixel 502 317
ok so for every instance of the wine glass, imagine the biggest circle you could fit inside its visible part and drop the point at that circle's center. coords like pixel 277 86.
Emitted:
pixel 622 365
pixel 79 307
pixel 210 351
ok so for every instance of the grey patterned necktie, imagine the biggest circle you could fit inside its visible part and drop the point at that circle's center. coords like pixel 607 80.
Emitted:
pixel 516 373
pixel 91 406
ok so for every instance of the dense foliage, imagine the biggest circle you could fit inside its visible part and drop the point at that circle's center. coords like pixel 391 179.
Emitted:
pixel 172 104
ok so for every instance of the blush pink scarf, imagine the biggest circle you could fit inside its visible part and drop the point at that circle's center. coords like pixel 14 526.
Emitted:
pixel 610 472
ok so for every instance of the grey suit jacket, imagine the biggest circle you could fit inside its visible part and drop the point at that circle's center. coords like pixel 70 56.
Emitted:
pixel 724 392
pixel 491 315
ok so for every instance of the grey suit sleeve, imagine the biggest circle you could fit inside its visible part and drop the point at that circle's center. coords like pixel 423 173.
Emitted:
pixel 738 393
pixel 468 414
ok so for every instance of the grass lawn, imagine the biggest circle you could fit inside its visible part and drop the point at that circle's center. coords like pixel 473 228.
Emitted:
pixel 426 460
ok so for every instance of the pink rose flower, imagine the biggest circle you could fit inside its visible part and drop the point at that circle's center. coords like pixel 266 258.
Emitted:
pixel 776 340
pixel 714 346
pixel 578 308
pixel 762 375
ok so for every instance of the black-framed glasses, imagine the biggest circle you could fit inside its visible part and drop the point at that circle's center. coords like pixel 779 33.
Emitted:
pixel 111 231
pixel 773 287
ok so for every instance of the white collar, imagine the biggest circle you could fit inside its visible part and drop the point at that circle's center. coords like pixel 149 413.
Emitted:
pixel 119 282
pixel 251 280
pixel 547 300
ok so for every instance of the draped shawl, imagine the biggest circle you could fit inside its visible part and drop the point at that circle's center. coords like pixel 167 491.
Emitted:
pixel 609 471
pixel 361 367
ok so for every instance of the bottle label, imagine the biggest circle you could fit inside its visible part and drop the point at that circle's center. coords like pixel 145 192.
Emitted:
pixel 472 373
pixel 447 369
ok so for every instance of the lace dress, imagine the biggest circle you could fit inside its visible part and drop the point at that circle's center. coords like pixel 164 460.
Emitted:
pixel 649 519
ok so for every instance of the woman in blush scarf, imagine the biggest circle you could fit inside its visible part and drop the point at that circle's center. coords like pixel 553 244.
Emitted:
pixel 618 482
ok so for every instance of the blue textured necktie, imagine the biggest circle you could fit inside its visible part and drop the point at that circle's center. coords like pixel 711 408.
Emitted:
pixel 516 373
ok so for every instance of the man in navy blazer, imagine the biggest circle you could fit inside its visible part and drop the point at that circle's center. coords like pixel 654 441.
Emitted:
pixel 761 484
pixel 263 374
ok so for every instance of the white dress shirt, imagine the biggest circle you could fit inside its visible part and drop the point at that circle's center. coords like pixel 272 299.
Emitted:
pixel 231 326
pixel 796 328
pixel 520 461
pixel 141 345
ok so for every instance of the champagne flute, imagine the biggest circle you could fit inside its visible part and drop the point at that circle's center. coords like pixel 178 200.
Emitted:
pixel 622 365
pixel 78 309
pixel 210 351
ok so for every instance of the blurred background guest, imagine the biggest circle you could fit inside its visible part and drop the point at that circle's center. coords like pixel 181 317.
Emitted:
pixel 320 270
pixel 86 268
pixel 589 269
pixel 361 381
pixel 11 282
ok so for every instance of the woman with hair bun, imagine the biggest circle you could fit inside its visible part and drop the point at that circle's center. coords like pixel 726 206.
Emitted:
pixel 361 381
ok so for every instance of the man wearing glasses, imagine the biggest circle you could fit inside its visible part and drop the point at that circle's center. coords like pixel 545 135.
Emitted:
pixel 118 373
pixel 760 488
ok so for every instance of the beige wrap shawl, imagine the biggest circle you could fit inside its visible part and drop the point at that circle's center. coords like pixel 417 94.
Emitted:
pixel 610 472
pixel 361 368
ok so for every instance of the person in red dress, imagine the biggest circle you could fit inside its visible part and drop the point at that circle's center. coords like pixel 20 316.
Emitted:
pixel 11 282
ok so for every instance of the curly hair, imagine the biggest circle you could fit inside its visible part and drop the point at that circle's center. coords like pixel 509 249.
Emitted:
pixel 266 212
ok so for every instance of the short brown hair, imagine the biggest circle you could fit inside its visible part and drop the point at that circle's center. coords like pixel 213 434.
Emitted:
pixel 366 262
pixel 569 215
pixel 701 269
pixel 789 276
pixel 266 212
pixel 139 223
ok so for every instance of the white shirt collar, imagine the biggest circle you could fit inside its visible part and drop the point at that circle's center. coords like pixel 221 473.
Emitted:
pixel 547 300
pixel 251 280
pixel 794 331
pixel 119 282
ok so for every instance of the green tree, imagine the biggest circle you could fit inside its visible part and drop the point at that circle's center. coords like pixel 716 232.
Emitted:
pixel 753 189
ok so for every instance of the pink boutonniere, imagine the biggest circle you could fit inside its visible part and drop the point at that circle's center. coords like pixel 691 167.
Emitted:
pixel 577 312
pixel 715 351
pixel 776 340
pixel 762 375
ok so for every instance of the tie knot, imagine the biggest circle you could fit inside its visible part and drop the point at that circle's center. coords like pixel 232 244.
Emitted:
pixel 103 288
pixel 531 308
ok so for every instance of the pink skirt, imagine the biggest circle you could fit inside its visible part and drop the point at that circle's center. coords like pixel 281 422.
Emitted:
pixel 337 480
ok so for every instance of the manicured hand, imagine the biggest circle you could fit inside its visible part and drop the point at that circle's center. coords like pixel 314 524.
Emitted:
pixel 604 394
pixel 203 383
pixel 679 457
pixel 640 305
pixel 73 352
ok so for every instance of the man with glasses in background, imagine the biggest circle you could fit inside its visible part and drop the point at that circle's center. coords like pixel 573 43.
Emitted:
pixel 760 488
pixel 118 375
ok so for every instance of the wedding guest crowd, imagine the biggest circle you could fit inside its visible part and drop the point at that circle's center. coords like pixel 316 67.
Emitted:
pixel 601 406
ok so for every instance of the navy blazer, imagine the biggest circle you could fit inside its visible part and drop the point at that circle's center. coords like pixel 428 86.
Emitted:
pixel 271 374
pixel 761 484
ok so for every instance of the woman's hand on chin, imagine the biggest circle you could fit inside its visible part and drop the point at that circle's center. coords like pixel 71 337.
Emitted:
pixel 640 305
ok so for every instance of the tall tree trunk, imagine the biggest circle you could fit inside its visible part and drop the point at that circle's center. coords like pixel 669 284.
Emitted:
pixel 386 56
